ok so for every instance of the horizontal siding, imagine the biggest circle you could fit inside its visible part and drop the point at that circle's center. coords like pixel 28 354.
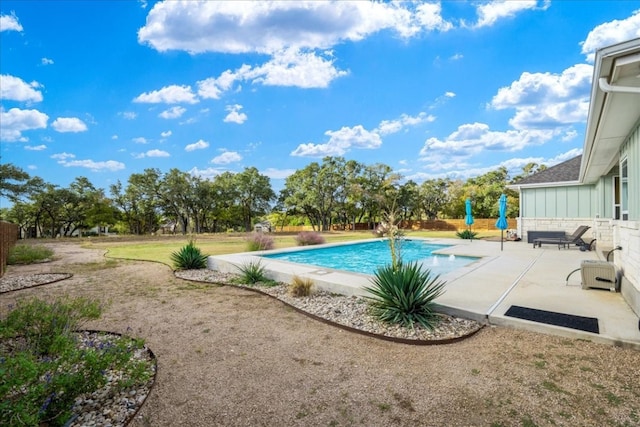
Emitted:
pixel 578 201
pixel 631 150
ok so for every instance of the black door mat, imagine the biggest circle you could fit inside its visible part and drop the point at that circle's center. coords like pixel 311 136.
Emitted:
pixel 587 324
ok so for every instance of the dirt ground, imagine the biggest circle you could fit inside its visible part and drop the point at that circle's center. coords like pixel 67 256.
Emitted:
pixel 229 357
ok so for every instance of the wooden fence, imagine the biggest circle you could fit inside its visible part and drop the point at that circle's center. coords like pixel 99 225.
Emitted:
pixel 8 238
pixel 479 224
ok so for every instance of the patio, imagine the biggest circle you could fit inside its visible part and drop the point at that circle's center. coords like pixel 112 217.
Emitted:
pixel 486 289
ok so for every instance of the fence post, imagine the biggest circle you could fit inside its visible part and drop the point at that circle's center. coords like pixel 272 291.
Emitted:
pixel 8 238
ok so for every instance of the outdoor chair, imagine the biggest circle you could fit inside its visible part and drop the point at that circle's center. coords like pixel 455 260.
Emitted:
pixel 574 239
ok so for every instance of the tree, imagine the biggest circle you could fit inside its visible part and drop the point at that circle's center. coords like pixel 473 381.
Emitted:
pixel 254 194
pixel 13 181
pixel 434 196
pixel 314 191
pixel 379 190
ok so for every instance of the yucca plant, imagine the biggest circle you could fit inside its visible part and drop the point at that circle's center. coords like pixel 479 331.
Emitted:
pixel 189 257
pixel 252 273
pixel 405 295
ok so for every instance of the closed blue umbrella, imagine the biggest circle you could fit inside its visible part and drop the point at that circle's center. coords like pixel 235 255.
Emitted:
pixel 468 219
pixel 501 223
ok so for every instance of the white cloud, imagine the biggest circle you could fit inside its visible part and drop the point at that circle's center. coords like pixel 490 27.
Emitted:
pixel 288 67
pixel 114 137
pixel 278 173
pixel 68 124
pixel 235 116
pixel 215 87
pixel 35 148
pixel 268 27
pixel 173 94
pixel 140 140
pixel 387 127
pixel 340 142
pixel 109 165
pixel 429 15
pixel 610 33
pixel 16 89
pixel 32 167
pixel 63 156
pixel 546 99
pixel 15 121
pixel 291 67
pixel 470 139
pixel 10 23
pixel 569 135
pixel 46 61
pixel 166 134
pixel 456 57
pixel 172 113
pixel 226 157
pixel 151 153
pixel 200 145
pixel 552 115
pixel 129 115
pixel 157 153
pixel 208 173
pixel 490 12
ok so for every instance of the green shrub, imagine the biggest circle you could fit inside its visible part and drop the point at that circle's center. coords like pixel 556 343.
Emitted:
pixel 466 234
pixel 259 242
pixel 44 369
pixel 46 326
pixel 252 273
pixel 300 287
pixel 308 238
pixel 189 258
pixel 405 295
pixel 28 254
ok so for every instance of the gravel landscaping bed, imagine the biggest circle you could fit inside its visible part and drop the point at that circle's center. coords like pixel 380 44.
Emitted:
pixel 351 312
pixel 14 283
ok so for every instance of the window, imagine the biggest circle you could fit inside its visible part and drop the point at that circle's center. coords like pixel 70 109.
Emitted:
pixel 624 190
pixel 616 197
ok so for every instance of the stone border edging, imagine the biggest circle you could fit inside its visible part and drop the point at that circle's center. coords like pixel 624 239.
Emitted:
pixel 345 327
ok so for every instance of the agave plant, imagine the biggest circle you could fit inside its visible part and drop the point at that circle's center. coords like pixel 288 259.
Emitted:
pixel 466 234
pixel 189 258
pixel 405 295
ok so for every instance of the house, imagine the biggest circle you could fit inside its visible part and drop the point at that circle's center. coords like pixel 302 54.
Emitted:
pixel 600 188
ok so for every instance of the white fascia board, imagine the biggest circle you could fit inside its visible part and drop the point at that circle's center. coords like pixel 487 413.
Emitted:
pixel 544 185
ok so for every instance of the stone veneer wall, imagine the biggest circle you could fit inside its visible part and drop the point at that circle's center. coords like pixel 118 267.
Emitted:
pixel 627 235
pixel 568 225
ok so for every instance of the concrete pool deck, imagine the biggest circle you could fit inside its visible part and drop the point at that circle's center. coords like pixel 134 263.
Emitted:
pixel 486 289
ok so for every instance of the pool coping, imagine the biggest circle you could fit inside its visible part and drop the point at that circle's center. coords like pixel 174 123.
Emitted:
pixel 341 281
pixel 484 290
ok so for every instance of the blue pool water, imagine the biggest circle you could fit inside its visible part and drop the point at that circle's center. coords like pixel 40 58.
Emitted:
pixel 366 257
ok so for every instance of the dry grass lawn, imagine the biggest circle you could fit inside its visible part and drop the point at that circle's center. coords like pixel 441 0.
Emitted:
pixel 229 357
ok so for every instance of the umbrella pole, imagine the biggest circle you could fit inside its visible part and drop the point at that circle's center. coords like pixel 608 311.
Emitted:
pixel 501 239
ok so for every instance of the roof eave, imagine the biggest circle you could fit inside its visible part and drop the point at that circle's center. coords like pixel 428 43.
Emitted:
pixel 517 186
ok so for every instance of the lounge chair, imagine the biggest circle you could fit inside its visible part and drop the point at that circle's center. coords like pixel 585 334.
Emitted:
pixel 574 239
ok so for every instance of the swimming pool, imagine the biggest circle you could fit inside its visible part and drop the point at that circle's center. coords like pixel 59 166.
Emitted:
pixel 366 257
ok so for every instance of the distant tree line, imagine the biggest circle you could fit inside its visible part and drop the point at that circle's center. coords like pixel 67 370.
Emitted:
pixel 335 191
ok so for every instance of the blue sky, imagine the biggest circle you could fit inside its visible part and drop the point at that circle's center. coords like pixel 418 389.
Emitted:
pixel 104 89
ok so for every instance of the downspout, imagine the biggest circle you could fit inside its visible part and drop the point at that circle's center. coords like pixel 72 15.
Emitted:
pixel 609 88
pixel 520 226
